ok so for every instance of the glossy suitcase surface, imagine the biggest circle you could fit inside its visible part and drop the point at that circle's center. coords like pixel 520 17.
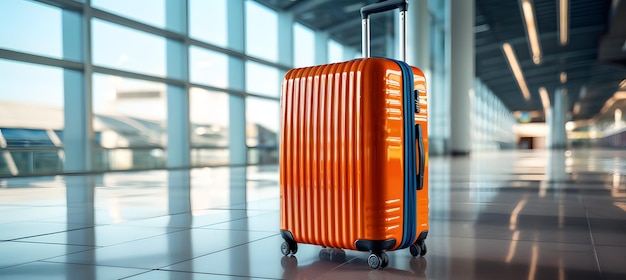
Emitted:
pixel 354 157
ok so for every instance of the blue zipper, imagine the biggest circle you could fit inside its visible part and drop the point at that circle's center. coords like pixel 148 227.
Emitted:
pixel 410 215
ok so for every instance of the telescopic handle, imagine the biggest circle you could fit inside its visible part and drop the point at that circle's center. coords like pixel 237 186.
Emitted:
pixel 383 6
pixel 379 7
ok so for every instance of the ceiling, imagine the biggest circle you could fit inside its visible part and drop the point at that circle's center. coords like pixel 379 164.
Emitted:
pixel 594 59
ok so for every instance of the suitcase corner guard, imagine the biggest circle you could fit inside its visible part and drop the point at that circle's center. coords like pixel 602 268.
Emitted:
pixel 287 236
pixel 374 245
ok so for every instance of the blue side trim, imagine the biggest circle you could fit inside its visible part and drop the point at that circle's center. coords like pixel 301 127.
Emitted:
pixel 410 204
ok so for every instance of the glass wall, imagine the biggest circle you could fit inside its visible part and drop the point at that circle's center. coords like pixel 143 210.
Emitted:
pixel 128 123
pixel 207 21
pixel 492 122
pixel 439 86
pixel 120 47
pixel 168 84
pixel 209 127
pixel 207 67
pixel 262 123
pixel 148 72
pixel 31 118
pixel 335 51
pixel 31 95
pixel 262 79
pixel 261 31
pixel 304 43
pixel 22 33
pixel 150 12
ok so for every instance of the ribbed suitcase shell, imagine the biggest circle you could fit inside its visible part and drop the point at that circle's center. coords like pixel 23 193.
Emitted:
pixel 341 153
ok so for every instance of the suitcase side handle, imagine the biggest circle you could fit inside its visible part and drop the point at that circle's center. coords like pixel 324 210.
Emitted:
pixel 422 156
pixel 378 7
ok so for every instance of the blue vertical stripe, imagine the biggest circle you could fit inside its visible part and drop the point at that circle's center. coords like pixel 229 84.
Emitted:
pixel 410 203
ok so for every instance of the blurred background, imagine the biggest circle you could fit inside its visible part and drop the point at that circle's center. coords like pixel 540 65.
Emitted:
pixel 103 85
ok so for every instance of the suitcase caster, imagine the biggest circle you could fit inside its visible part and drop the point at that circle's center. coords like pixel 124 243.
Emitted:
pixel 289 247
pixel 378 260
pixel 418 249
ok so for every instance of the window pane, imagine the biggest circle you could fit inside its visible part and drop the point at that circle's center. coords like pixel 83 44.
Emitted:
pixel 209 156
pixel 304 46
pixel 335 52
pixel 122 48
pixel 208 112
pixel 208 67
pixel 261 31
pixel 31 112
pixel 20 137
pixel 151 12
pixel 207 21
pixel 261 79
pixel 31 27
pixel 263 156
pixel 261 122
pixel 129 122
pixel 33 85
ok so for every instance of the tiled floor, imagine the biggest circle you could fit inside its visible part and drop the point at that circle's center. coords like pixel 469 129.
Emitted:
pixel 505 215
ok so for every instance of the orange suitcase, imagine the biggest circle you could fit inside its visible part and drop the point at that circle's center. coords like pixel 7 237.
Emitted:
pixel 354 153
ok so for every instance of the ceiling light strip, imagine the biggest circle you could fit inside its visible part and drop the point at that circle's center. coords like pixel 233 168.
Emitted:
pixel 531 30
pixel 517 71
pixel 563 22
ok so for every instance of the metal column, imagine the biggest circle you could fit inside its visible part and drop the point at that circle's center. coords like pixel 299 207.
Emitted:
pixel 462 75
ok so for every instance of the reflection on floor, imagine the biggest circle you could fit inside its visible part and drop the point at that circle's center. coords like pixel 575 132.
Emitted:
pixel 505 215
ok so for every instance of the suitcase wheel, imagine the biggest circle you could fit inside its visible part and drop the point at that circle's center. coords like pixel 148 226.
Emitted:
pixel 418 249
pixel 289 247
pixel 378 260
